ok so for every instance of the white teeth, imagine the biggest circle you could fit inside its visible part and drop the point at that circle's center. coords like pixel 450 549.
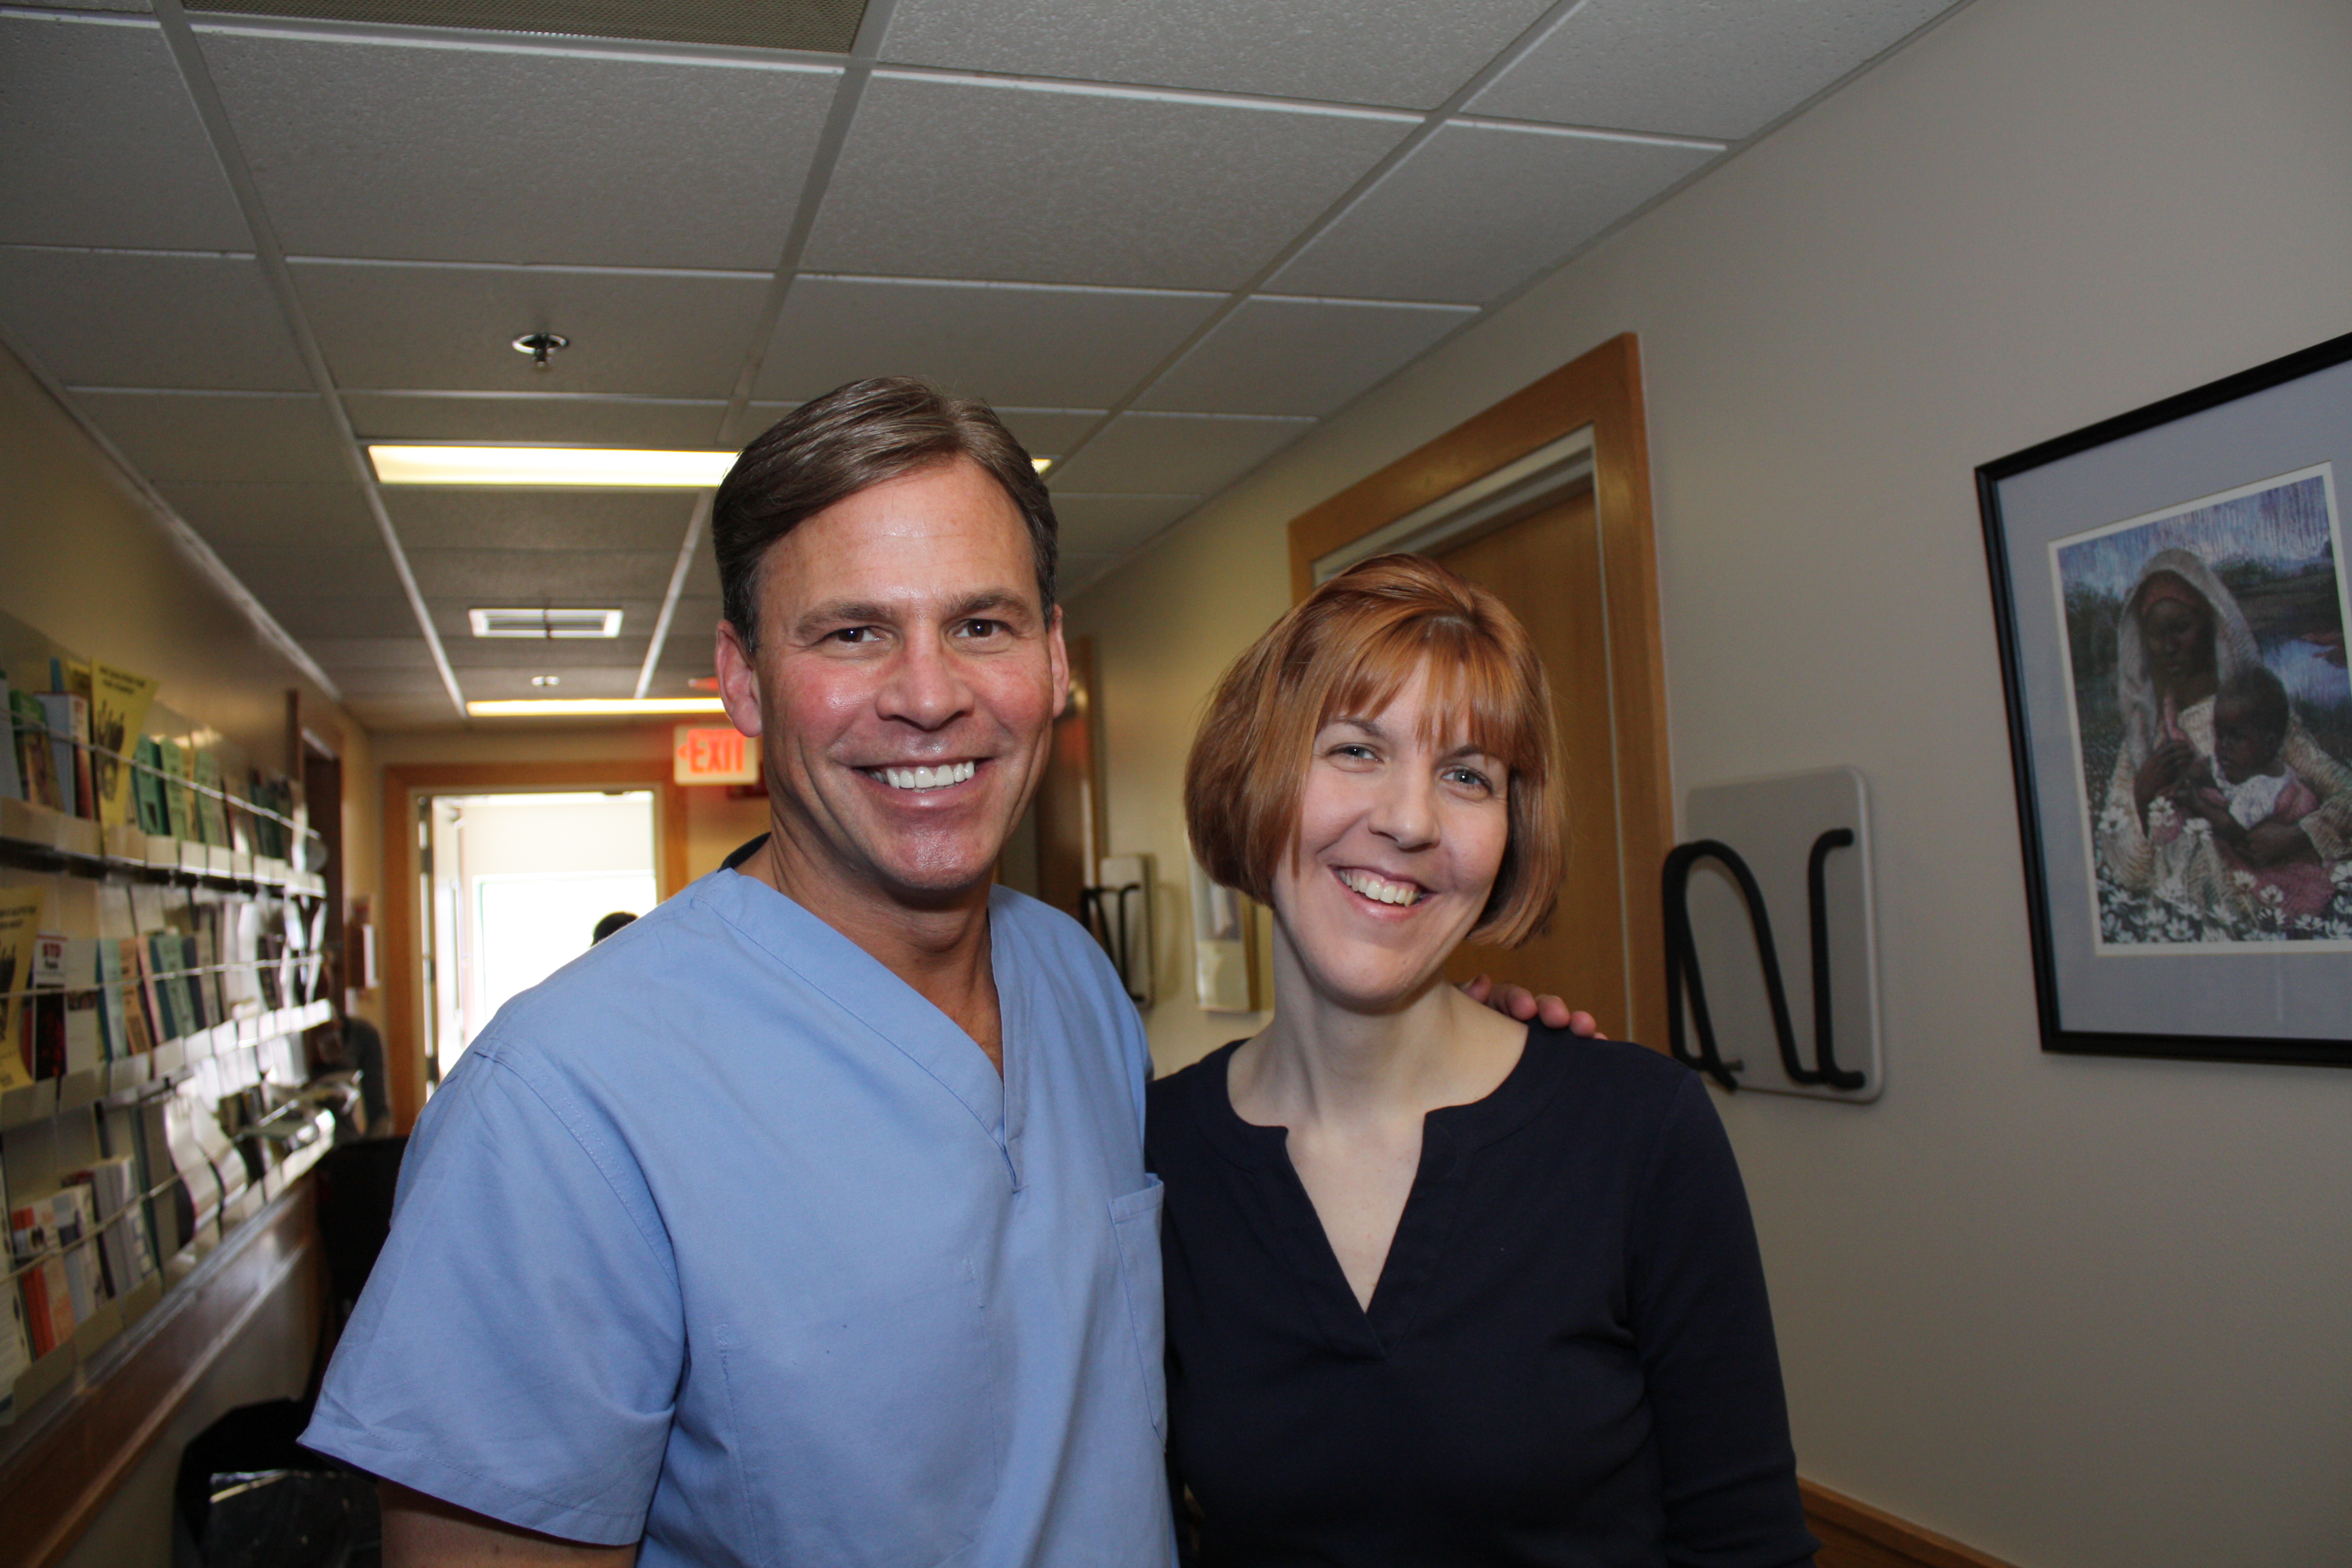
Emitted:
pixel 1381 887
pixel 927 778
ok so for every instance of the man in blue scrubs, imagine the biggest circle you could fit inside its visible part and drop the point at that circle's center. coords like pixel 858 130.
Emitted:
pixel 804 1221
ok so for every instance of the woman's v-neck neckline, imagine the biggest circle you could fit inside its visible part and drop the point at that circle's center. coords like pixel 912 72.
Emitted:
pixel 1451 1135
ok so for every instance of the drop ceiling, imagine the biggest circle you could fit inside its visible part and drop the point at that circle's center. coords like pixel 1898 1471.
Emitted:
pixel 1164 236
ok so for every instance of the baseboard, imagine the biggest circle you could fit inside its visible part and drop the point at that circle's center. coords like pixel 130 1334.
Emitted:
pixel 1855 1536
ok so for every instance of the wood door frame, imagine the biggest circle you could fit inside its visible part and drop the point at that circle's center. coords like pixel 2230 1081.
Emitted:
pixel 402 933
pixel 1601 389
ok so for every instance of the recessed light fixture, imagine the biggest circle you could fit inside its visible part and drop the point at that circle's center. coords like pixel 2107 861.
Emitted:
pixel 547 680
pixel 592 707
pixel 1042 464
pixel 550 468
pixel 539 624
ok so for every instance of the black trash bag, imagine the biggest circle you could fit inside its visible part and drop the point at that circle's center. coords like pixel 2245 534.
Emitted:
pixel 250 1496
pixel 292 1519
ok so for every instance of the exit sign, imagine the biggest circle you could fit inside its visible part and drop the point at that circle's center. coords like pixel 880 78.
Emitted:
pixel 714 757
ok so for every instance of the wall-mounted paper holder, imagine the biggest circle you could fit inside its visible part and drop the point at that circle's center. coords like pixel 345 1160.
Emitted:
pixel 1118 913
pixel 1767 858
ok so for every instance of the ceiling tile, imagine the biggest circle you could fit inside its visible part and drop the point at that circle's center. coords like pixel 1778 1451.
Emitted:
pixel 113 318
pixel 1477 208
pixel 474 152
pixel 686 658
pixel 257 437
pixel 468 653
pixel 333 616
pixel 1065 187
pixel 1299 356
pixel 341 656
pixel 1348 51
pixel 581 577
pixel 290 572
pixel 697 615
pixel 758 416
pixel 233 515
pixel 538 520
pixel 382 681
pixel 387 714
pixel 701 572
pixel 1049 432
pixel 452 329
pixel 490 683
pixel 1111 525
pixel 554 421
pixel 1174 454
pixel 1054 347
pixel 1695 67
pixel 104 144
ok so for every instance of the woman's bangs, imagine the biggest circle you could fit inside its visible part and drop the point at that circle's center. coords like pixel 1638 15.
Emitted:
pixel 1472 695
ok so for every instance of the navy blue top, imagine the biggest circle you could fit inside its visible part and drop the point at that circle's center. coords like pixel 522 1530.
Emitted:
pixel 1568 1359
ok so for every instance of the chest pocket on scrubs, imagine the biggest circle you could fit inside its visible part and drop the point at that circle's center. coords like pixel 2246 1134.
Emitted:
pixel 1135 1220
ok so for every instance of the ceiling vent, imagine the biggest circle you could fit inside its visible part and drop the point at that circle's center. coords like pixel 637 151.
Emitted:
pixel 822 26
pixel 540 624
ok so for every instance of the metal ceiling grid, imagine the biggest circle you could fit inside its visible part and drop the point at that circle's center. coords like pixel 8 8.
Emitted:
pixel 1164 236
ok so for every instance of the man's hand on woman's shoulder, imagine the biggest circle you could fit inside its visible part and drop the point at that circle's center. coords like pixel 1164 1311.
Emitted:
pixel 1519 1002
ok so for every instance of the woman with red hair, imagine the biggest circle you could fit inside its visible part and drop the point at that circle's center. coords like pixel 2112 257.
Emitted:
pixel 1440 1287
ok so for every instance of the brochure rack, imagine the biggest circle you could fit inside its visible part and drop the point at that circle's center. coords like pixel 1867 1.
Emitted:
pixel 212 1117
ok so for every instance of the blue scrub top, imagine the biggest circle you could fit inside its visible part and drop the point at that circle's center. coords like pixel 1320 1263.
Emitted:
pixel 725 1237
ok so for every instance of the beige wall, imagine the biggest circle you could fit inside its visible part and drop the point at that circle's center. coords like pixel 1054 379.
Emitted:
pixel 2069 1310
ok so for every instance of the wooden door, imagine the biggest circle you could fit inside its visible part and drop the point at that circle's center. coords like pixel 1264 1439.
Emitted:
pixel 1579 566
pixel 1546 568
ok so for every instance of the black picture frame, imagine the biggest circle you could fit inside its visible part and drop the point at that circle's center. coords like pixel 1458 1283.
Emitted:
pixel 2211 955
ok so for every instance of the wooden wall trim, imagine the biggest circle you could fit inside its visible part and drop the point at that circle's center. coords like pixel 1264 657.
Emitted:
pixel 1855 1536
pixel 1602 389
pixel 52 1489
pixel 399 930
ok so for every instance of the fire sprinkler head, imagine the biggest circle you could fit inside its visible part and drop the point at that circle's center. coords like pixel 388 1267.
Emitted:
pixel 541 347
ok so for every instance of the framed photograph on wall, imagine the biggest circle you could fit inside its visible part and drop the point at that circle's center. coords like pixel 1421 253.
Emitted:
pixel 2171 596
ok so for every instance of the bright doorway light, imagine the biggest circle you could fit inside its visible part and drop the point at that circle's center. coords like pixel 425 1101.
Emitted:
pixel 516 885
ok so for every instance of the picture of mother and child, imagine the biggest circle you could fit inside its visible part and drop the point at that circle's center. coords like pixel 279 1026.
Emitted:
pixel 2213 713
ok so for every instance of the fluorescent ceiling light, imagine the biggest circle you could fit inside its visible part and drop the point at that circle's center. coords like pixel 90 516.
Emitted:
pixel 592 707
pixel 585 468
pixel 1042 464
pixel 540 623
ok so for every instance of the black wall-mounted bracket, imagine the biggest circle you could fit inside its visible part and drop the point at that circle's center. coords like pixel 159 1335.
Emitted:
pixel 1774 841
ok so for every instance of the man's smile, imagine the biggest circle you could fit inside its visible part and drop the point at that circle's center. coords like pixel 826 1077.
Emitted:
pixel 937 776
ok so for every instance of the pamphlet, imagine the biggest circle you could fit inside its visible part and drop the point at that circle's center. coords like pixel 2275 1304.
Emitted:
pixel 118 711
pixel 20 926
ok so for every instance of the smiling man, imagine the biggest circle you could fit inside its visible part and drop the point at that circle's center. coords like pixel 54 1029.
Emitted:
pixel 805 1220
pixel 726 1245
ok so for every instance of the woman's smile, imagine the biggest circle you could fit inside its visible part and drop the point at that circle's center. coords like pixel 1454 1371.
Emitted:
pixel 1391 892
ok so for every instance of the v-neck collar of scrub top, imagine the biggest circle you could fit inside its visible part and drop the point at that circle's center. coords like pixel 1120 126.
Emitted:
pixel 862 986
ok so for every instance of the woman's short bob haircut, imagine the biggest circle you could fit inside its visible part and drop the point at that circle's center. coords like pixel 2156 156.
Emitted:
pixel 1347 649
